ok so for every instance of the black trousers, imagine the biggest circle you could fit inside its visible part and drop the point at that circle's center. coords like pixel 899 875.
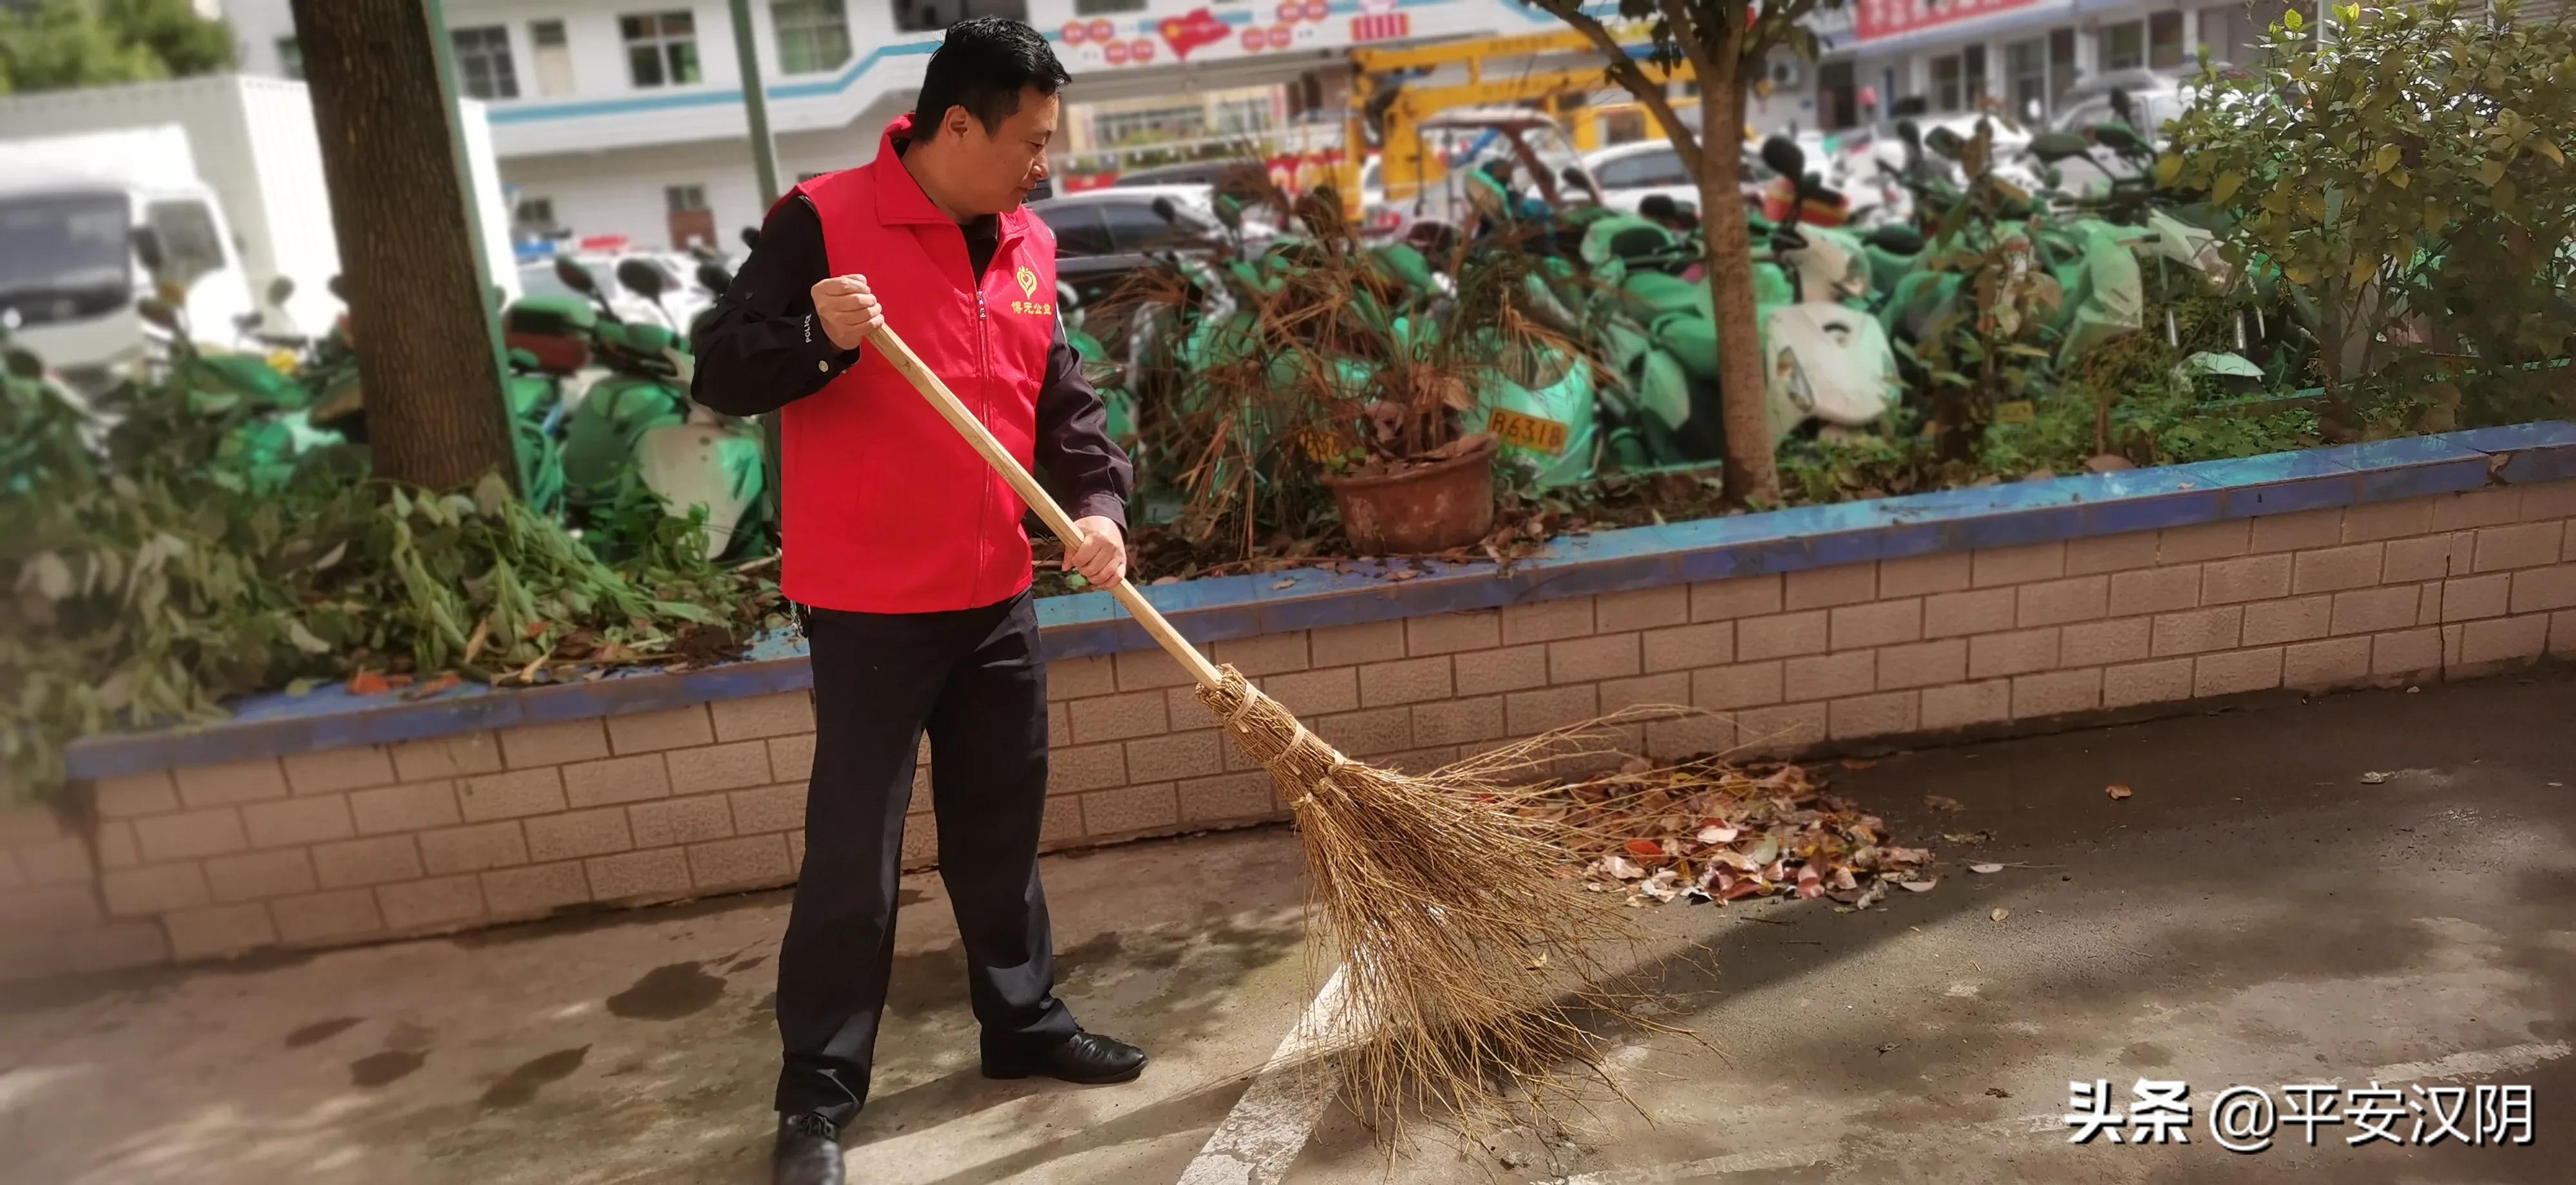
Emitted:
pixel 972 679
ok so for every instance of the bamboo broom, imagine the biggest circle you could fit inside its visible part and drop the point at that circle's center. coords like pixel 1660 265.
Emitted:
pixel 1465 963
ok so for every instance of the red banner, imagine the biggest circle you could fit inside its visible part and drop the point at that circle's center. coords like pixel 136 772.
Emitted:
pixel 1876 19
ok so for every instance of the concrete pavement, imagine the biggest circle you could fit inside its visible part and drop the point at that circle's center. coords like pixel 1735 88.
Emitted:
pixel 2256 913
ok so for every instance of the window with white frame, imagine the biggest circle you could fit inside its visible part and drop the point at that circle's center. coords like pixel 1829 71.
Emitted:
pixel 483 66
pixel 1159 123
pixel 930 16
pixel 290 57
pixel 2124 47
pixel 1235 117
pixel 2026 77
pixel 1945 83
pixel 2164 40
pixel 812 35
pixel 661 48
pixel 684 199
pixel 535 211
pixel 554 57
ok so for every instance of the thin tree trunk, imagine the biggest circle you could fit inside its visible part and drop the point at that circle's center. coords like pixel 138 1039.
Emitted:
pixel 428 349
pixel 1750 474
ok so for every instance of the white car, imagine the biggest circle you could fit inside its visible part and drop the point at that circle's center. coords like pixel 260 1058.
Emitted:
pixel 1631 173
pixel 683 297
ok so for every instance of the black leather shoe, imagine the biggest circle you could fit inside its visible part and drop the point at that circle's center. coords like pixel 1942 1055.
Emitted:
pixel 809 1152
pixel 1087 1058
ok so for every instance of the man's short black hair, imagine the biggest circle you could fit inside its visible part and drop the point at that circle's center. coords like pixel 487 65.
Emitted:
pixel 982 66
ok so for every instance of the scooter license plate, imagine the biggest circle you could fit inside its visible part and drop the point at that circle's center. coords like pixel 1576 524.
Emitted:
pixel 1527 431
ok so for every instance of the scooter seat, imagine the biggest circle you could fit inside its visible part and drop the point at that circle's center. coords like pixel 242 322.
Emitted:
pixel 1656 294
pixel 1897 238
pixel 1692 341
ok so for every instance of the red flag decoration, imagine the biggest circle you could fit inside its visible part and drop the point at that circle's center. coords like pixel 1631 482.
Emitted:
pixel 1196 30
pixel 1385 26
pixel 1875 19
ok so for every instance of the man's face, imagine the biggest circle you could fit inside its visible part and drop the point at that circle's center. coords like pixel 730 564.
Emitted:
pixel 1001 167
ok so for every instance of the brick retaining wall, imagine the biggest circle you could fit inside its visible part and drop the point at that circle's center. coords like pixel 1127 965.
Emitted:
pixel 354 844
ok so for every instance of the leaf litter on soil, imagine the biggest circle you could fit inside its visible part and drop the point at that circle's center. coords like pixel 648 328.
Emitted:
pixel 1711 829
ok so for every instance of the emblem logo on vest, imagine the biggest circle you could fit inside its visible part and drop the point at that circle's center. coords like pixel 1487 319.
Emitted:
pixel 1029 287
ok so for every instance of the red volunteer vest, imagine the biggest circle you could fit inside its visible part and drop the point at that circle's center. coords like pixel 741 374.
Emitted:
pixel 885 508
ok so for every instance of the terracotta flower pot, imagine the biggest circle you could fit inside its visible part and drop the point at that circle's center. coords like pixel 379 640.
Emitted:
pixel 1435 507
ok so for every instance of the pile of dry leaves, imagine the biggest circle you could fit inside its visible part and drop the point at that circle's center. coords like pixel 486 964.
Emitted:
pixel 1708 829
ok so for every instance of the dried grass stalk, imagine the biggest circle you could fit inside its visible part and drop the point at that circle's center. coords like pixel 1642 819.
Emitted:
pixel 1469 970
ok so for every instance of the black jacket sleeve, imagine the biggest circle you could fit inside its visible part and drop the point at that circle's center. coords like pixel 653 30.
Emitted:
pixel 1073 443
pixel 761 349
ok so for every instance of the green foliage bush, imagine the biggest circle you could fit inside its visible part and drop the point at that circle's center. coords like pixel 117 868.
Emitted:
pixel 156 567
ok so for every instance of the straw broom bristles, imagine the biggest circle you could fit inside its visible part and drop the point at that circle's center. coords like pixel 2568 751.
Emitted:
pixel 1467 964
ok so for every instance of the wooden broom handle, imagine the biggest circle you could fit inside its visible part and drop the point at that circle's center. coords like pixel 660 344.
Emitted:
pixel 945 402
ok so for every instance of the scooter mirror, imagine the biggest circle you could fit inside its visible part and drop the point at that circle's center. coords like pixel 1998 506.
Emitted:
pixel 1784 157
pixel 2122 107
pixel 280 290
pixel 1945 142
pixel 713 277
pixel 751 237
pixel 147 249
pixel 1165 210
pixel 2120 138
pixel 159 312
pixel 575 276
pixel 339 291
pixel 640 276
pixel 2053 147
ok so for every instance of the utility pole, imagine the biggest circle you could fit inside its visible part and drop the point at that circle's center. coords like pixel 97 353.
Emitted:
pixel 764 163
pixel 755 104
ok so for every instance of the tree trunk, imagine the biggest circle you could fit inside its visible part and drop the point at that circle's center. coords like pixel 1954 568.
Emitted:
pixel 428 348
pixel 1750 474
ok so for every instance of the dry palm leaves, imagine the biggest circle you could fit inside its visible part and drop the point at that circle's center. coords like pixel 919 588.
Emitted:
pixel 1710 830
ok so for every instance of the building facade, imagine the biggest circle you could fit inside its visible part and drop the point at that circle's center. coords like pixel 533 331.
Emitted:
pixel 625 117
pixel 2024 55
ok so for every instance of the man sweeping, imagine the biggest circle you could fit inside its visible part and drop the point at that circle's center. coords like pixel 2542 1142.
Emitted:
pixel 905 554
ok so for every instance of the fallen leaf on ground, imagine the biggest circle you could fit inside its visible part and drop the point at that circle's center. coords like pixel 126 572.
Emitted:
pixel 1985 868
pixel 2116 790
pixel 369 683
pixel 2374 777
pixel 1998 1092
pixel 1943 802
pixel 1401 577
pixel 1859 762
pixel 1919 886
pixel 2000 913
pixel 1708 829
pixel 1887 1048
pixel 433 687
pixel 1283 584
pixel 1967 836
pixel 1539 963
